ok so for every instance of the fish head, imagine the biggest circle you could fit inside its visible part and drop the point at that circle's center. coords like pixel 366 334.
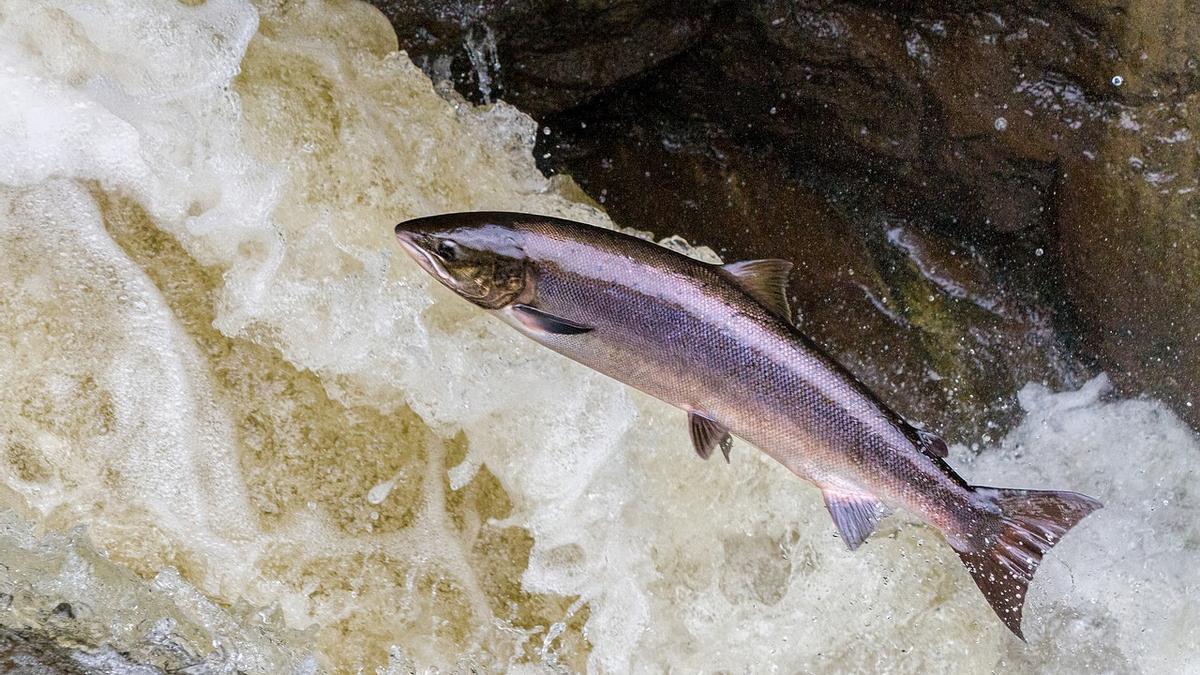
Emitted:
pixel 476 255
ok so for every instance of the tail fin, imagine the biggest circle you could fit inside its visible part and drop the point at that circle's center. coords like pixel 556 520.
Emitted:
pixel 1007 550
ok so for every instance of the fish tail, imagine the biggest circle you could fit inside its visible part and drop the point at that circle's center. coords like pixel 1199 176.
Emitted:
pixel 1013 532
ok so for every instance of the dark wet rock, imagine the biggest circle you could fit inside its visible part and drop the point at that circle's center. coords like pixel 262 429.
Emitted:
pixel 29 652
pixel 545 55
pixel 1129 213
pixel 976 194
pixel 63 611
pixel 24 652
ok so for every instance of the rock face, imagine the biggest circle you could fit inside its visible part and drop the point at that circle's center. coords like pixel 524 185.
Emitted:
pixel 976 194
pixel 1129 221
pixel 546 55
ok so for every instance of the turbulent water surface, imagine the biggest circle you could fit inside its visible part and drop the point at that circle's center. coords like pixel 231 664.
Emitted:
pixel 239 430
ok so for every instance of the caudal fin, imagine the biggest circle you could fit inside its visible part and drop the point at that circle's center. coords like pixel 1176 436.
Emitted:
pixel 1003 555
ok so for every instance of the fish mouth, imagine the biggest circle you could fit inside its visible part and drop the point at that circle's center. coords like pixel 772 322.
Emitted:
pixel 428 261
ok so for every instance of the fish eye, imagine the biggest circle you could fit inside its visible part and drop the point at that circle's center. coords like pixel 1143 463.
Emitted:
pixel 447 250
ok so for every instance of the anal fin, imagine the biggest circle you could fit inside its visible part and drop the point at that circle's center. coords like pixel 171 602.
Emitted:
pixel 708 434
pixel 854 513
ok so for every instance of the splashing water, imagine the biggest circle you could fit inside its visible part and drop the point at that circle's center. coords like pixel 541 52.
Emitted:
pixel 485 62
pixel 214 358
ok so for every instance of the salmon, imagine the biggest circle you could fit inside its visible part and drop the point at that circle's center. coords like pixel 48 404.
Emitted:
pixel 718 342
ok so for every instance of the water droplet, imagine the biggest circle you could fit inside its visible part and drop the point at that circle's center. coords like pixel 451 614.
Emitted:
pixel 1039 252
pixel 1001 124
pixel 1117 80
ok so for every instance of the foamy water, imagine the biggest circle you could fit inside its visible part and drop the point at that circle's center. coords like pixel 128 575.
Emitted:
pixel 259 438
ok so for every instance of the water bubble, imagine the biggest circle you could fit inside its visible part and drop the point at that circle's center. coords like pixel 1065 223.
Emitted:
pixel 1001 124
pixel 1117 80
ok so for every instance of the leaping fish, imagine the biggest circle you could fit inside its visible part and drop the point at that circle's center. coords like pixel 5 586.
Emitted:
pixel 718 342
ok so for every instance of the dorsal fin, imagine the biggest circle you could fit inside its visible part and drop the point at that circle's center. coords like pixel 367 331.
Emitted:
pixel 765 281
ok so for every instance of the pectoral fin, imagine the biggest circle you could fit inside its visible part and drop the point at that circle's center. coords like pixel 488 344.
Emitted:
pixel 707 434
pixel 765 281
pixel 855 514
pixel 536 320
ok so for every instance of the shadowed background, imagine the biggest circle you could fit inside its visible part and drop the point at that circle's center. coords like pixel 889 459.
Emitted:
pixel 976 194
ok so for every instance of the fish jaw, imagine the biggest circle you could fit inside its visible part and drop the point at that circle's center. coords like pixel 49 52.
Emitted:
pixel 426 260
